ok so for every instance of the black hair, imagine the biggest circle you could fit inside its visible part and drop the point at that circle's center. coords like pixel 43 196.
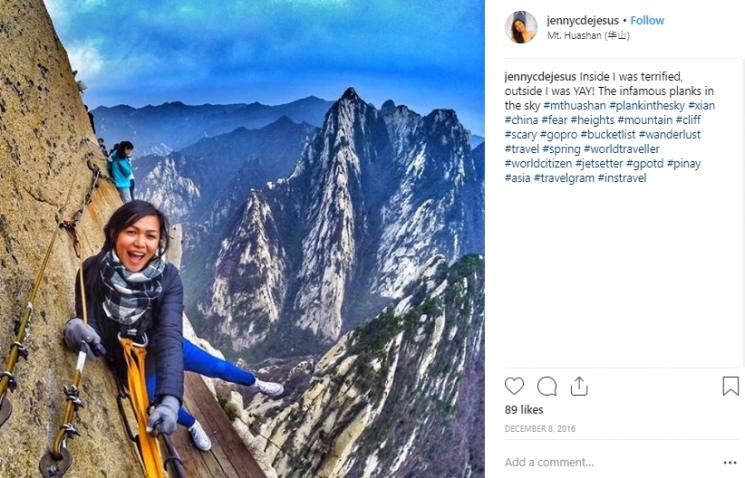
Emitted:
pixel 123 145
pixel 518 36
pixel 130 213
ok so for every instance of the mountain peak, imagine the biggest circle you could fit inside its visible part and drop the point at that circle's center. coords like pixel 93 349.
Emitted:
pixel 443 116
pixel 120 108
pixel 347 110
pixel 284 120
pixel 350 94
pixel 388 107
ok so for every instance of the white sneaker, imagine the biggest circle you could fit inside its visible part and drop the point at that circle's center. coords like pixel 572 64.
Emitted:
pixel 272 389
pixel 199 437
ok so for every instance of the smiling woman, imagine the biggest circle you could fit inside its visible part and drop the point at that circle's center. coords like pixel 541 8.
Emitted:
pixel 137 244
pixel 132 292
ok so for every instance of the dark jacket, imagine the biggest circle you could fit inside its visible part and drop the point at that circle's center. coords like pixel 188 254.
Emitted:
pixel 165 350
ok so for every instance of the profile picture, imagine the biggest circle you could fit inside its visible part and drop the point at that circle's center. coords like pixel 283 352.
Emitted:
pixel 521 27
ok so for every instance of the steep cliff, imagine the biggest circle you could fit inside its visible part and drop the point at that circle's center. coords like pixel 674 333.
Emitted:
pixel 375 194
pixel 218 168
pixel 401 396
pixel 45 143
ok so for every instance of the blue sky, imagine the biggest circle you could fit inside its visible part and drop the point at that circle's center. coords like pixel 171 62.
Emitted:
pixel 425 54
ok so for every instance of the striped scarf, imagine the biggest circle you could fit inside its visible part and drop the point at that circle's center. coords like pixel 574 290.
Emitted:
pixel 128 295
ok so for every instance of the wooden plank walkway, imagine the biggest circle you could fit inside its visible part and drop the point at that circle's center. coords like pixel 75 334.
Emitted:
pixel 229 456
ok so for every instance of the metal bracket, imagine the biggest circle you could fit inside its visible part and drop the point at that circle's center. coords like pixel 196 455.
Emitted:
pixel 22 350
pixel 5 410
pixel 70 430
pixel 123 414
pixel 72 394
pixel 71 390
pixel 12 384
pixel 51 468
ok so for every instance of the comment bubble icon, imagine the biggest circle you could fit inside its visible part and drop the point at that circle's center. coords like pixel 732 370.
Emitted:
pixel 547 386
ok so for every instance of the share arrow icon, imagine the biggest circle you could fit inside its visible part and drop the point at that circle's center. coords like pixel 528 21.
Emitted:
pixel 579 388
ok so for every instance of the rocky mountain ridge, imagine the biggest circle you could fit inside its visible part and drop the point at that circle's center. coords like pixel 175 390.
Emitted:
pixel 174 125
pixel 402 395
pixel 373 197
pixel 203 185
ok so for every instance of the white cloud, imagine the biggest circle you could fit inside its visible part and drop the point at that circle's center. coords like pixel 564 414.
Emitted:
pixel 86 59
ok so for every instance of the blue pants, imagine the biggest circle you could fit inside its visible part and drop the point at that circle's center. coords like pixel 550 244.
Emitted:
pixel 198 361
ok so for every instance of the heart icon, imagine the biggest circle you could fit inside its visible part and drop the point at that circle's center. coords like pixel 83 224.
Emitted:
pixel 514 384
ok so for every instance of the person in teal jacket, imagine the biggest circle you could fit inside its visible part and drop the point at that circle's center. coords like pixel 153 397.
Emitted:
pixel 120 166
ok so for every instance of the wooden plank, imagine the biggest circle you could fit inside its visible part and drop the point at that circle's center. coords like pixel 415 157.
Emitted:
pixel 194 464
pixel 201 464
pixel 229 457
pixel 211 419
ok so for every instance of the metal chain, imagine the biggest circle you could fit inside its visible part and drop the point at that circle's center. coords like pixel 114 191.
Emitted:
pixel 57 460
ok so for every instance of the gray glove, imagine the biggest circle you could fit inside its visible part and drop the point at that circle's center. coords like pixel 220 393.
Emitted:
pixel 79 336
pixel 163 418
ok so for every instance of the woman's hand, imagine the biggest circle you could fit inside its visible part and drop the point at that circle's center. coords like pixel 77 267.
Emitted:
pixel 163 417
pixel 79 336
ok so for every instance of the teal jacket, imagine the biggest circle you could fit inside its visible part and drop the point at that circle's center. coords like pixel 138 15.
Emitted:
pixel 121 170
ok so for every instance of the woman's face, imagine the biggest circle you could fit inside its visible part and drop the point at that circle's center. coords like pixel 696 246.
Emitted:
pixel 128 152
pixel 138 243
pixel 519 26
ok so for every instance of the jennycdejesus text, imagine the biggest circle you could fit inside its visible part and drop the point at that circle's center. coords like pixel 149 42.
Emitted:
pixel 585 20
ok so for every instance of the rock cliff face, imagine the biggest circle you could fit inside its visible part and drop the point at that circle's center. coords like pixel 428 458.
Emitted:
pixel 212 176
pixel 176 194
pixel 45 142
pixel 401 396
pixel 374 195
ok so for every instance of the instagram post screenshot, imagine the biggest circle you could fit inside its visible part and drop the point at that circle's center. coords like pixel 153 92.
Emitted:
pixel 347 238
pixel 246 238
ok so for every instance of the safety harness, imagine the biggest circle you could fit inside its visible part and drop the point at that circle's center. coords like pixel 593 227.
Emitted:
pixel 148 446
pixel 134 355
